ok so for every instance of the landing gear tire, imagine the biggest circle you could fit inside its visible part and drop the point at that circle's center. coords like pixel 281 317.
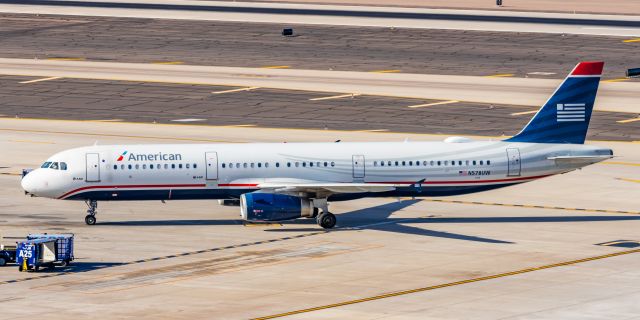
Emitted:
pixel 90 220
pixel 327 220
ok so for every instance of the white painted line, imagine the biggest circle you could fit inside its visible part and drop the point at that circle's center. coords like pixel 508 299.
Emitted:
pixel 541 73
pixel 189 120
pixel 38 80
pixel 433 104
pixel 524 112
pixel 109 120
pixel 235 90
pixel 374 130
pixel 336 97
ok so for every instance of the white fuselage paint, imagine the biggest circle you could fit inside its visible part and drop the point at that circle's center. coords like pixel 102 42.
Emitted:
pixel 215 170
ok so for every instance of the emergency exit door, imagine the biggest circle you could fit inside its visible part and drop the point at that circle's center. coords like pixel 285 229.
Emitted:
pixel 93 167
pixel 513 154
pixel 211 160
pixel 358 166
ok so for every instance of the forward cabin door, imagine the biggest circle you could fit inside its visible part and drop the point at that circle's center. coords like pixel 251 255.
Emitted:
pixel 211 160
pixel 513 154
pixel 358 167
pixel 93 167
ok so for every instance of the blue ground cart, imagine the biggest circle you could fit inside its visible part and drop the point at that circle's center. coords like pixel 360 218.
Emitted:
pixel 44 250
pixel 7 255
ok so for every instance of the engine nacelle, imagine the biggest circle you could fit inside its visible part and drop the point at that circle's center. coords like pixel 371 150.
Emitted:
pixel 229 202
pixel 273 207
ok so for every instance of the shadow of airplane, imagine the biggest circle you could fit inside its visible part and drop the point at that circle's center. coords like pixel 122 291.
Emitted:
pixel 379 218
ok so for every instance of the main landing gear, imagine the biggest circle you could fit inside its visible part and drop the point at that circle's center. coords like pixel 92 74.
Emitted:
pixel 326 220
pixel 90 219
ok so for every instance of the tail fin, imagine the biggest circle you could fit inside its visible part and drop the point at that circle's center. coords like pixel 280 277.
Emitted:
pixel 565 117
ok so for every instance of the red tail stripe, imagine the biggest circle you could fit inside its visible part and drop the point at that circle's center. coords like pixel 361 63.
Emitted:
pixel 588 69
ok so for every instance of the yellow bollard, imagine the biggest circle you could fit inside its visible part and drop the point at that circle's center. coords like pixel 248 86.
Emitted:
pixel 24 265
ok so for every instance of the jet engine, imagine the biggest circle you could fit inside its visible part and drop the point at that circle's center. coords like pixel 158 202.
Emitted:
pixel 273 207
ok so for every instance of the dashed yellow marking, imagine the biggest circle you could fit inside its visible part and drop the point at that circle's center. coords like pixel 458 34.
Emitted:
pixel 66 59
pixel 275 67
pixel 350 95
pixel 535 206
pixel 629 180
pixel 109 120
pixel 446 285
pixel 167 62
pixel 432 104
pixel 235 90
pixel 524 112
pixel 39 80
pixel 631 40
pixel 620 163
pixel 629 120
pixel 386 71
pixel 500 75
pixel 615 80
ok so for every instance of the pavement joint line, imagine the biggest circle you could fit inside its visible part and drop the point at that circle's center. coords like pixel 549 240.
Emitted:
pixel 629 120
pixel 538 206
pixel 39 80
pixel 235 90
pixel 524 112
pixel 261 127
pixel 432 104
pixel 446 285
pixel 350 95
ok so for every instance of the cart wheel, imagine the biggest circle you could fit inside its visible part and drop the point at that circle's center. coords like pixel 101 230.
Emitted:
pixel 64 263
pixel 3 262
pixel 36 268
pixel 20 268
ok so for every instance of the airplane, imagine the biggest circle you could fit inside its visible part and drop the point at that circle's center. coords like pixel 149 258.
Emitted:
pixel 287 181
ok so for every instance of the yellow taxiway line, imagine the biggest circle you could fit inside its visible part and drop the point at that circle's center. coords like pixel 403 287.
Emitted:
pixel 532 206
pixel 386 71
pixel 275 67
pixel 524 112
pixel 446 285
pixel 629 120
pixel 500 75
pixel 631 40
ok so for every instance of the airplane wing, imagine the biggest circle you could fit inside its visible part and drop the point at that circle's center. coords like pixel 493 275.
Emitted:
pixel 328 187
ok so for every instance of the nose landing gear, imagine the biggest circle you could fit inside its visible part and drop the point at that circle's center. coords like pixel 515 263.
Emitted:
pixel 90 219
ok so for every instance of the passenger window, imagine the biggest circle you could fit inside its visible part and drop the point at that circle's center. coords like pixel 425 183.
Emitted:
pixel 173 166
pixel 325 163
pixel 266 164
pixel 460 162
pixel 310 164
pixel 252 164
pixel 115 167
pixel 481 162
pixel 466 162
pixel 297 164
pixel 439 163
pixel 144 166
pixel 488 162
pixel 375 163
pixel 318 164
pixel 63 166
pixel 195 166
pixel 186 165
pixel 45 165
pixel 382 163
pixel 424 163
pixel 223 166
pixel 410 163
pixel 244 165
pixel 150 166
pixel 130 167
pixel 474 162
pixel 137 166
pixel 431 162
pixel 277 164
pixel 259 164
pixel 289 164
pixel 333 164
pixel 122 166
pixel 397 163
pixel 304 164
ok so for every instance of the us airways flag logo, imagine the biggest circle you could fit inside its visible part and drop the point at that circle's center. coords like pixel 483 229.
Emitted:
pixel 121 157
pixel 570 112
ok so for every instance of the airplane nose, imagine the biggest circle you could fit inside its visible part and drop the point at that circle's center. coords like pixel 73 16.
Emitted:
pixel 29 183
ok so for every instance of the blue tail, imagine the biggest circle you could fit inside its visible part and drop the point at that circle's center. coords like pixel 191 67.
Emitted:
pixel 565 117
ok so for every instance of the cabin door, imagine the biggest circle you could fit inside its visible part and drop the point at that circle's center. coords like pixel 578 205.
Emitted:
pixel 513 154
pixel 93 167
pixel 211 159
pixel 358 166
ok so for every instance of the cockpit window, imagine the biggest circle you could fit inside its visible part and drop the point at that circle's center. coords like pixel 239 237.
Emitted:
pixel 63 166
pixel 54 166
pixel 46 165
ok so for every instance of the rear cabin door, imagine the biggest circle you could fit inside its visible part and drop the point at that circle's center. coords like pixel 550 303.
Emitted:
pixel 513 154
pixel 211 159
pixel 358 166
pixel 93 167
